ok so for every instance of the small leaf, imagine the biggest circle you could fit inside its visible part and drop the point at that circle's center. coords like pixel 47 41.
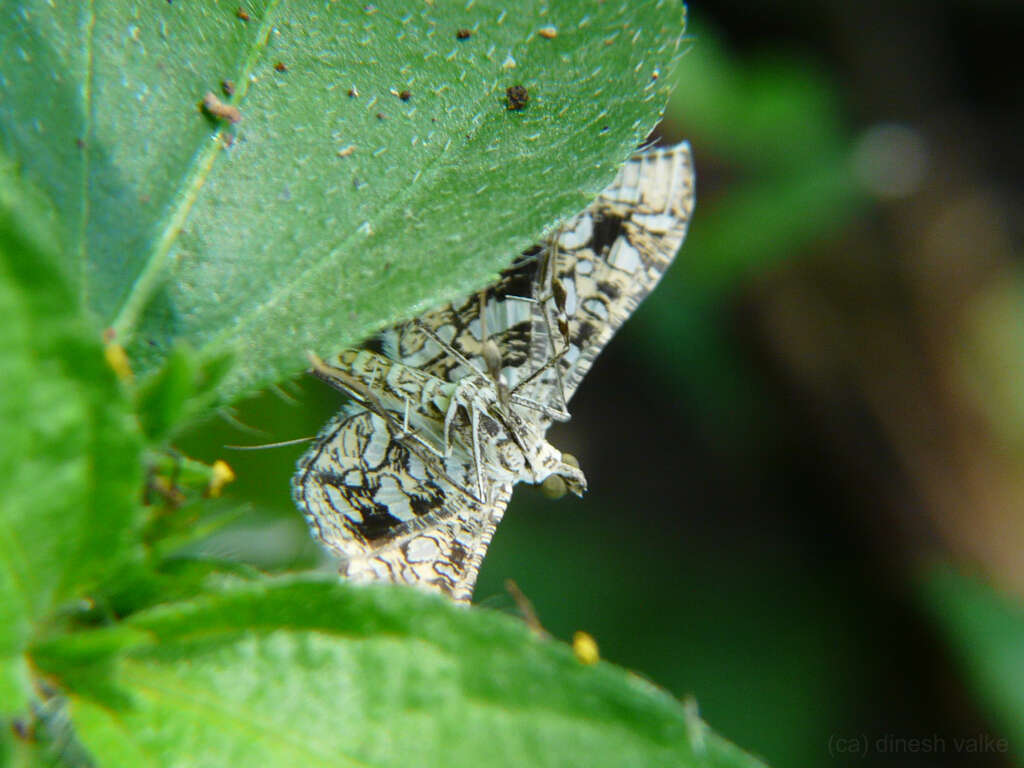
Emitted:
pixel 986 631
pixel 182 389
pixel 163 397
pixel 300 672
pixel 69 458
pixel 329 215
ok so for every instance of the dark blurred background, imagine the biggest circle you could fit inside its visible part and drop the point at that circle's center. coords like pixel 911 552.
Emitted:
pixel 806 450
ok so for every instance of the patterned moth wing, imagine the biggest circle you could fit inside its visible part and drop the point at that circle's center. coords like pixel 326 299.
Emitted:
pixel 509 313
pixel 391 485
pixel 603 262
pixel 562 300
pixel 389 513
pixel 408 483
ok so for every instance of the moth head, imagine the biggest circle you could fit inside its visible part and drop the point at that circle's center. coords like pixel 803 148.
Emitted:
pixel 567 477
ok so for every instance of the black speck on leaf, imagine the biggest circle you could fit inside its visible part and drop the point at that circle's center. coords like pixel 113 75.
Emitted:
pixel 516 97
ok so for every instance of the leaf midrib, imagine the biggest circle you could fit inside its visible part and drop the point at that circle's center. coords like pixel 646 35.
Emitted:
pixel 83 218
pixel 152 274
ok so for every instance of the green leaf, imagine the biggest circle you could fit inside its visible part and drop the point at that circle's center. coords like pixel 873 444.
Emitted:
pixel 182 389
pixel 69 450
pixel 299 672
pixel 283 241
pixel 986 631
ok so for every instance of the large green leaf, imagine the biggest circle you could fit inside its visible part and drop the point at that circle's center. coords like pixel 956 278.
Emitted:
pixel 298 672
pixel 284 241
pixel 69 453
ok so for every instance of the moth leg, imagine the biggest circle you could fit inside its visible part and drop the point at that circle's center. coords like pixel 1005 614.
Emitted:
pixel 475 419
pixel 558 296
pixel 551 413
pixel 405 418
pixel 444 345
pixel 549 290
pixel 365 396
pixel 449 417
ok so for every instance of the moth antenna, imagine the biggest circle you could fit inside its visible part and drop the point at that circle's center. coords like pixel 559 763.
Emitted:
pixel 228 415
pixel 260 447
pixel 285 396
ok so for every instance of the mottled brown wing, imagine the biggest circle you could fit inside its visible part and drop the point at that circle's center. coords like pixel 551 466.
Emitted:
pixel 510 314
pixel 605 261
pixel 393 513
pixel 567 296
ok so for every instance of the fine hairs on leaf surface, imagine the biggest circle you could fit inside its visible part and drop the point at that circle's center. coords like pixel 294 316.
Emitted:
pixel 216 253
pixel 297 671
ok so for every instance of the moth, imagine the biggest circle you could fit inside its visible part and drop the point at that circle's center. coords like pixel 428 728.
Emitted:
pixel 449 410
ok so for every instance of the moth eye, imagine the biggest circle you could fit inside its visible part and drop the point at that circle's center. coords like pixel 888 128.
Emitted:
pixel 554 487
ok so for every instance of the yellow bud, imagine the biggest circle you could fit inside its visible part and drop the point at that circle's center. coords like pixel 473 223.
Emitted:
pixel 222 475
pixel 117 359
pixel 585 648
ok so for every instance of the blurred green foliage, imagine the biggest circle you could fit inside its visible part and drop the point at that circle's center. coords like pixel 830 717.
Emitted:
pixel 774 176
pixel 986 630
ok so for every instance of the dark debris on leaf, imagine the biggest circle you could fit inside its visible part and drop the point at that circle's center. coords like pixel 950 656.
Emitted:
pixel 516 96
pixel 217 108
